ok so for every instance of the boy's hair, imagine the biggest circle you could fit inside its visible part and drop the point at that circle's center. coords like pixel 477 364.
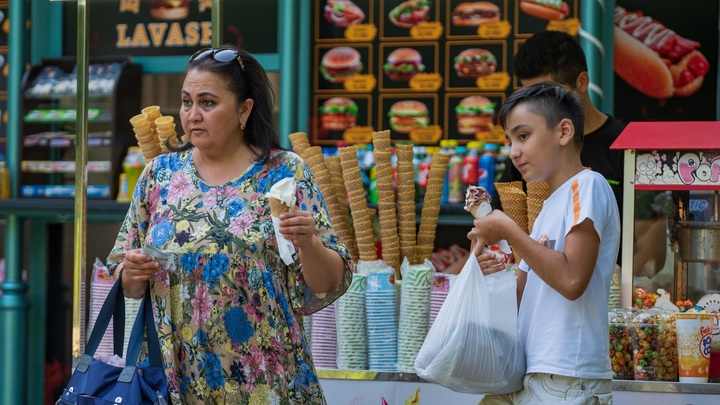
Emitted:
pixel 552 53
pixel 550 100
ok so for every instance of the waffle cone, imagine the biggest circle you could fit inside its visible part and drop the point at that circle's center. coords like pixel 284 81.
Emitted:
pixel 534 206
pixel 277 207
pixel 515 207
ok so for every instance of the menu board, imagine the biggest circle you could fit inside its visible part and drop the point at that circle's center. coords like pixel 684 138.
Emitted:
pixel 425 69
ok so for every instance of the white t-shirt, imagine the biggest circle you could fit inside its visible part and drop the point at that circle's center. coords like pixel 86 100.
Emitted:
pixel 564 337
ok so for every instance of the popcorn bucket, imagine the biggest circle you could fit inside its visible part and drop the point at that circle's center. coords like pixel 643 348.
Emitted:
pixel 694 335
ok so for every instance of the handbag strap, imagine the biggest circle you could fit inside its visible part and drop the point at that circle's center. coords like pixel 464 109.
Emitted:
pixel 113 307
pixel 144 323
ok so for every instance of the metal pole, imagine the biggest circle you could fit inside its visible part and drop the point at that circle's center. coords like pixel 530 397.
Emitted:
pixel 303 68
pixel 216 21
pixel 591 12
pixel 81 176
pixel 288 60
pixel 13 302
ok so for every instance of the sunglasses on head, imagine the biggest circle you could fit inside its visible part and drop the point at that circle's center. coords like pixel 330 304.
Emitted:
pixel 219 55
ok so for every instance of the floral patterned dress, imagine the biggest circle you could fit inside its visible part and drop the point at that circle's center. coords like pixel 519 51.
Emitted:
pixel 228 310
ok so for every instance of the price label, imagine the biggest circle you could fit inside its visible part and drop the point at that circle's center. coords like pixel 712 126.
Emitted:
pixel 498 30
pixel 429 134
pixel 358 134
pixel 498 81
pixel 570 26
pixel 426 82
pixel 426 30
pixel 496 135
pixel 360 83
pixel 361 32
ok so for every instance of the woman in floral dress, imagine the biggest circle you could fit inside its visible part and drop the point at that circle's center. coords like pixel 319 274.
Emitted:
pixel 227 308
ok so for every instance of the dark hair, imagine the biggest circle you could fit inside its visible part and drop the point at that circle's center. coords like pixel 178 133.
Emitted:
pixel 550 100
pixel 552 53
pixel 248 80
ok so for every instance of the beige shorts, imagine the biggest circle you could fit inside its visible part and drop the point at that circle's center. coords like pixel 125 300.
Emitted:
pixel 556 389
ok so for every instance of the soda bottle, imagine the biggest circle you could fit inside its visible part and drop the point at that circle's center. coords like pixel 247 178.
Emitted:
pixel 471 163
pixel 456 192
pixel 486 173
pixel 447 146
pixel 369 164
pixel 424 172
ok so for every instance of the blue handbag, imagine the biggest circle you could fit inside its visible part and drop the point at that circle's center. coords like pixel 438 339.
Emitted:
pixel 97 383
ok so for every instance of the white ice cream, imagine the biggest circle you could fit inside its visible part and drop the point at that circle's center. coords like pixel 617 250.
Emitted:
pixel 284 190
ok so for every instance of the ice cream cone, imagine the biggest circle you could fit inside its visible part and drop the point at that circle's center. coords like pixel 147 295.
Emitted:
pixel 277 207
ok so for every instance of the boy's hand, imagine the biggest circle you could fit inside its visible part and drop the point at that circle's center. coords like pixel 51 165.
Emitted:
pixel 490 229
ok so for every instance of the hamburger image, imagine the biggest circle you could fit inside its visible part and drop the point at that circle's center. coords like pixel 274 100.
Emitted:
pixel 410 13
pixel 338 114
pixel 403 63
pixel 475 114
pixel 473 14
pixel 343 13
pixel 475 62
pixel 340 63
pixel 408 115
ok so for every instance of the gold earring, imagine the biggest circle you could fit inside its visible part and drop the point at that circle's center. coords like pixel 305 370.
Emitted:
pixel 242 126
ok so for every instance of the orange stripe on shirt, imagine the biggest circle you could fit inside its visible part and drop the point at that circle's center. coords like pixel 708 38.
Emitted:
pixel 576 202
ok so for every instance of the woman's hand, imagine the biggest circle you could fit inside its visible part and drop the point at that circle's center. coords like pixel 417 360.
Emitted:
pixel 298 227
pixel 138 268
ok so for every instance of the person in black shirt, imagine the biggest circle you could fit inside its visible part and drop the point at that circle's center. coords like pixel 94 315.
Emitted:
pixel 557 56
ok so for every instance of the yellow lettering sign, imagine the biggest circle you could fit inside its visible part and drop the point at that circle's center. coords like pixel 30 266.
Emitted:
pixel 158 35
pixel 498 30
pixel 429 134
pixel 498 81
pixel 358 134
pixel 360 83
pixel 570 26
pixel 361 32
pixel 175 37
pixel 123 41
pixel 426 82
pixel 496 135
pixel 426 30
pixel 140 37
pixel 204 5
pixel 132 6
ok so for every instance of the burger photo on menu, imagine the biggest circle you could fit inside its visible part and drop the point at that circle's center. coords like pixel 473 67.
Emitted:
pixel 475 114
pixel 403 63
pixel 410 13
pixel 343 13
pixel 338 114
pixel 473 14
pixel 340 63
pixel 546 9
pixel 474 62
pixel 407 115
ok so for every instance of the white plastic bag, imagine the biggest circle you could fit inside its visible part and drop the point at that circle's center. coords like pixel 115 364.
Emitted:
pixel 473 346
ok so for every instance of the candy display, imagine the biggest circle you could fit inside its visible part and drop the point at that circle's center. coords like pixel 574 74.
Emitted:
pixel 621 350
pixel 646 334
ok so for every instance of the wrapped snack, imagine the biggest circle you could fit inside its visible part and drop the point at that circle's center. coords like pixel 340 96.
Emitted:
pixel 282 198
pixel 667 363
pixel 646 335
pixel 621 350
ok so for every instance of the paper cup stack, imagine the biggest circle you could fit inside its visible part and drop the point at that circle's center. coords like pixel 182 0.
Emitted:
pixel 382 320
pixel 407 226
pixel 363 217
pixel 307 327
pixel 440 290
pixel 386 199
pixel 431 208
pixel 323 337
pixel 165 128
pixel 351 326
pixel 414 312
pixel 146 136
pixel 537 193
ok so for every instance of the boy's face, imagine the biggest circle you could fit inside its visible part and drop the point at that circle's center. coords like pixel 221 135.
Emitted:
pixel 534 147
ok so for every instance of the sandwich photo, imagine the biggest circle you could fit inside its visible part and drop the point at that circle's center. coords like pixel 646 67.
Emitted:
pixel 340 63
pixel 343 13
pixel 475 114
pixel 546 9
pixel 403 63
pixel 475 62
pixel 410 13
pixel 408 115
pixel 338 114
pixel 475 13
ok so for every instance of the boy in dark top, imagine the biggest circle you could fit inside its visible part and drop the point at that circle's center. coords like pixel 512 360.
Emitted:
pixel 557 56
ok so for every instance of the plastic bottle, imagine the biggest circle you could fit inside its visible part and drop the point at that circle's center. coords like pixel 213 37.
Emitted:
pixel 471 163
pixel 424 172
pixel 4 178
pixel 369 166
pixel 486 172
pixel 447 146
pixel 456 192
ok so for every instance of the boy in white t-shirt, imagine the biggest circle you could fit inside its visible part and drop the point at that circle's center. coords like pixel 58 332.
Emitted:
pixel 568 260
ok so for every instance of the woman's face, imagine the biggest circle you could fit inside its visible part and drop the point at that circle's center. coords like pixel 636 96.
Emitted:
pixel 210 114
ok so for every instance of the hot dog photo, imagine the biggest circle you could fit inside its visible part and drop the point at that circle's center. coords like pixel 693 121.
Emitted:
pixel 665 65
pixel 334 17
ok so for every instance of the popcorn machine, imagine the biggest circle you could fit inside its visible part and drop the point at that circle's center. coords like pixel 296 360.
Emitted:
pixel 681 162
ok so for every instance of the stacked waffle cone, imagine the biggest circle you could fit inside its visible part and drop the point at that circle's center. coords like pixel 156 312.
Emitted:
pixel 386 200
pixel 154 132
pixel 340 207
pixel 334 197
pixel 363 217
pixel 146 136
pixel 520 207
pixel 431 208
pixel 165 129
pixel 537 193
pixel 406 199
